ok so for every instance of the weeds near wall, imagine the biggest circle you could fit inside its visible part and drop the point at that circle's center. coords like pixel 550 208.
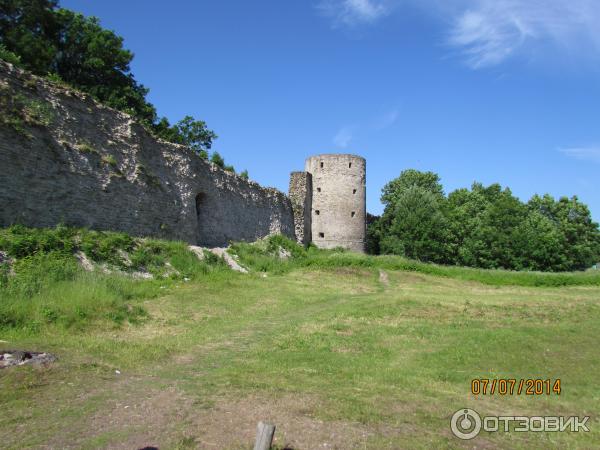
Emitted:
pixel 149 178
pixel 109 160
pixel 87 148
pixel 20 111
pixel 42 285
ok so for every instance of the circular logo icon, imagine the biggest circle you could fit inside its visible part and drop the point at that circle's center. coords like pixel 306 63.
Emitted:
pixel 465 424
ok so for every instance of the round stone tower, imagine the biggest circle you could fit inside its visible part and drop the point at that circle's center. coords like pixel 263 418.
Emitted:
pixel 338 201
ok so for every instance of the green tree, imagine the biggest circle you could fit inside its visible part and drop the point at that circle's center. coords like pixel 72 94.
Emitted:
pixel 164 130
pixel 463 212
pixel 413 222
pixel 417 226
pixel 373 234
pixel 189 132
pixel 574 223
pixel 196 135
pixel 428 181
pixel 484 226
pixel 540 244
pixel 29 29
pixel 94 60
pixel 244 174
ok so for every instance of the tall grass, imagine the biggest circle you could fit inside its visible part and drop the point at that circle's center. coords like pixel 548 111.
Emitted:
pixel 44 286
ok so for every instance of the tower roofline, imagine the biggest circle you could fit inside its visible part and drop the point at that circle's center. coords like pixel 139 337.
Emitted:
pixel 351 155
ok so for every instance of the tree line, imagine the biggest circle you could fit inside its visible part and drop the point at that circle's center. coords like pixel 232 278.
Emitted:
pixel 485 226
pixel 68 47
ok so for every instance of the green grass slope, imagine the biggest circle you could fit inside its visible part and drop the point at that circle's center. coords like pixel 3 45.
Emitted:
pixel 42 283
pixel 339 350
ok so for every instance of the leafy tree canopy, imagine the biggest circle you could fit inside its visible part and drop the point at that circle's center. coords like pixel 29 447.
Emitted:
pixel 417 225
pixel 428 181
pixel 484 227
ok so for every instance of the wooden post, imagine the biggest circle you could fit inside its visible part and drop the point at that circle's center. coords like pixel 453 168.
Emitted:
pixel 264 436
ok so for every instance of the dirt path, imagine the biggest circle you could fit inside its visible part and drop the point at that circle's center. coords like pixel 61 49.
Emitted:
pixel 383 278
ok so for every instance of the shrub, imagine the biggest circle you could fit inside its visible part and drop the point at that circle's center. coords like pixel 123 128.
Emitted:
pixel 9 56
pixel 19 241
pixel 107 247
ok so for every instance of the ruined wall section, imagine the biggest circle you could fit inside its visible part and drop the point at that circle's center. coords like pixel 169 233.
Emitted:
pixel 66 158
pixel 300 194
pixel 338 201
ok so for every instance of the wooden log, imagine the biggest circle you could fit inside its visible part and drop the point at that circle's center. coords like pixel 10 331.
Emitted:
pixel 264 436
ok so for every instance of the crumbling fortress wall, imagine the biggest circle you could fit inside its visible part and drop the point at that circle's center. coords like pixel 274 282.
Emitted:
pixel 337 200
pixel 64 158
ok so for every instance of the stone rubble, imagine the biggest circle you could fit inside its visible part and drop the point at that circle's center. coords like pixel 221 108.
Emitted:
pixel 9 358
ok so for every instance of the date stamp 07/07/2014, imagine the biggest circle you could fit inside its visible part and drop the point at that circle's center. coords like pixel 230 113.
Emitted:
pixel 515 386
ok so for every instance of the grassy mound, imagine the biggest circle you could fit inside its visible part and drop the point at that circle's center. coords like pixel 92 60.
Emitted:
pixel 42 283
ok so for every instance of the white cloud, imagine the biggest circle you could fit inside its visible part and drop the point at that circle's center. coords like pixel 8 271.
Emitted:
pixel 583 153
pixel 488 32
pixel 486 42
pixel 353 12
pixel 343 137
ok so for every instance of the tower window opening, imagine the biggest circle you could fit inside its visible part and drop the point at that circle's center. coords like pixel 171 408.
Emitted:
pixel 321 164
pixel 321 235
pixel 353 213
pixel 317 212
pixel 349 165
pixel 354 191
pixel 318 189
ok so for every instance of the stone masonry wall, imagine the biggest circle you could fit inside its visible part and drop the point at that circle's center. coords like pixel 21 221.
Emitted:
pixel 300 194
pixel 70 159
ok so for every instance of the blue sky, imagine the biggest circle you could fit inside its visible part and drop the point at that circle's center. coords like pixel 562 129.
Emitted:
pixel 503 91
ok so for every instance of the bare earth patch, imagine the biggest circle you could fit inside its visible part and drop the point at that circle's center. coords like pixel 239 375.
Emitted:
pixel 231 424
pixel 160 418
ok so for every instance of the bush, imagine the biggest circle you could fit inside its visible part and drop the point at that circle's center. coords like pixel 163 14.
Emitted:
pixel 19 241
pixel 107 247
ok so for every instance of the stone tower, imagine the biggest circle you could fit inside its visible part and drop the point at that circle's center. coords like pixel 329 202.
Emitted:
pixel 329 201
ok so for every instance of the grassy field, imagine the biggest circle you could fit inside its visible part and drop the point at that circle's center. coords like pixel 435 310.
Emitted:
pixel 339 351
